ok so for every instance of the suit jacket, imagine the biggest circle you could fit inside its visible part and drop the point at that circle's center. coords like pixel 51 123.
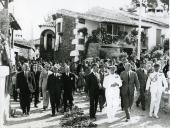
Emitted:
pixel 142 77
pixel 54 84
pixel 68 84
pixel 120 68
pixel 24 83
pixel 43 80
pixel 92 84
pixel 36 76
pixel 128 86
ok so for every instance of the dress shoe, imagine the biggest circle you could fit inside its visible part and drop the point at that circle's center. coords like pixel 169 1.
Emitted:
pixel 28 113
pixel 137 105
pixel 24 115
pixel 44 108
pixel 93 119
pixel 35 106
pixel 156 116
pixel 150 115
pixel 52 115
pixel 143 109
pixel 127 120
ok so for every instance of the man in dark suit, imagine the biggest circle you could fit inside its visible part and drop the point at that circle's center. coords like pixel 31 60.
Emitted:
pixel 93 83
pixel 102 98
pixel 68 87
pixel 142 76
pixel 24 88
pixel 54 84
pixel 120 68
pixel 129 81
pixel 36 77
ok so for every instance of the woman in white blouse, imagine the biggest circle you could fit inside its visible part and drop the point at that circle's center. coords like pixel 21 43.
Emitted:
pixel 111 83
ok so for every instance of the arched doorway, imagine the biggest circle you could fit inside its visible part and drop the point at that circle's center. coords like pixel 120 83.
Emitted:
pixel 47 40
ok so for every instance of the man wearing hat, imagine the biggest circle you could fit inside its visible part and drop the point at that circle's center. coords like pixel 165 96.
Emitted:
pixel 157 84
pixel 54 85
pixel 111 83
pixel 142 77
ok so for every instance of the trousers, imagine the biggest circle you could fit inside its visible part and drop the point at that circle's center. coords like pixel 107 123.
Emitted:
pixel 25 100
pixel 155 101
pixel 93 104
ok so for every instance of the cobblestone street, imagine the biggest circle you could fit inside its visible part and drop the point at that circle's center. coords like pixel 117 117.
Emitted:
pixel 43 119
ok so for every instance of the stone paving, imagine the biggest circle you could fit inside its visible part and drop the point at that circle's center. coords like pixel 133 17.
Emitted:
pixel 43 119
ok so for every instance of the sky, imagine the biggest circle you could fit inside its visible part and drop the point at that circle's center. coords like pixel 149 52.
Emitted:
pixel 31 13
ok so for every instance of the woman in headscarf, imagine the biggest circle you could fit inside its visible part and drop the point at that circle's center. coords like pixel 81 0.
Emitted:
pixel 111 83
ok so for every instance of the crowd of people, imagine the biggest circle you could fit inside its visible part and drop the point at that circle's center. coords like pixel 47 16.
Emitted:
pixel 106 83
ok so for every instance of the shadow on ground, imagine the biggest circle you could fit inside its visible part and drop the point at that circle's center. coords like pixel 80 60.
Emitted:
pixel 28 120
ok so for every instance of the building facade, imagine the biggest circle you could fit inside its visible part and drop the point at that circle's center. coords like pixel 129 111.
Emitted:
pixel 68 34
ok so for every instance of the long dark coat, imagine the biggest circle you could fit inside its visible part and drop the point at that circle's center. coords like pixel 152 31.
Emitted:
pixel 68 85
pixel 54 85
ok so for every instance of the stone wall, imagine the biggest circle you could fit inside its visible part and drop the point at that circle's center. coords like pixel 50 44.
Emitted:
pixel 65 47
pixel 4 22
pixel 109 52
pixel 93 50
pixel 26 53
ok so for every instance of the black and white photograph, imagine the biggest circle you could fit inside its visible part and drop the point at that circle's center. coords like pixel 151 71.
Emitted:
pixel 84 64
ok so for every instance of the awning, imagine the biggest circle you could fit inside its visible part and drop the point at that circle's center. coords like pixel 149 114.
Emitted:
pixel 22 45
pixel 14 24
pixel 74 53
pixel 80 47
pixel 110 46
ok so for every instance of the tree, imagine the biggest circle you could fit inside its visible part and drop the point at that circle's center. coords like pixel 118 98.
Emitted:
pixel 151 3
pixel 137 3
pixel 165 2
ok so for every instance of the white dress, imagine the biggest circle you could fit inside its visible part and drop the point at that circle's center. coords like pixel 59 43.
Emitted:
pixel 112 94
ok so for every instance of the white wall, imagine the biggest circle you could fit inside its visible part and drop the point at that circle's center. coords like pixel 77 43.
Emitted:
pixel 91 25
pixel 151 37
pixel 152 33
pixel 43 28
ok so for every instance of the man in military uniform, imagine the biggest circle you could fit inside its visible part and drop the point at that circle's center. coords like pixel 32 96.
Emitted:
pixel 157 84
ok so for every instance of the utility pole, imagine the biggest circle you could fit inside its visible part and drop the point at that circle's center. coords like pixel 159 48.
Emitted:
pixel 139 32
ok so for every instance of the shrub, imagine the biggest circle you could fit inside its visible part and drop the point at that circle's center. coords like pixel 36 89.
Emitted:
pixel 157 54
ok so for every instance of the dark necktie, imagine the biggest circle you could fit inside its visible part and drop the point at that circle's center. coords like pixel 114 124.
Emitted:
pixel 128 77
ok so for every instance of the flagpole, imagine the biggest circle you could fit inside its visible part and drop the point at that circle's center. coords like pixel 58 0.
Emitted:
pixel 139 32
